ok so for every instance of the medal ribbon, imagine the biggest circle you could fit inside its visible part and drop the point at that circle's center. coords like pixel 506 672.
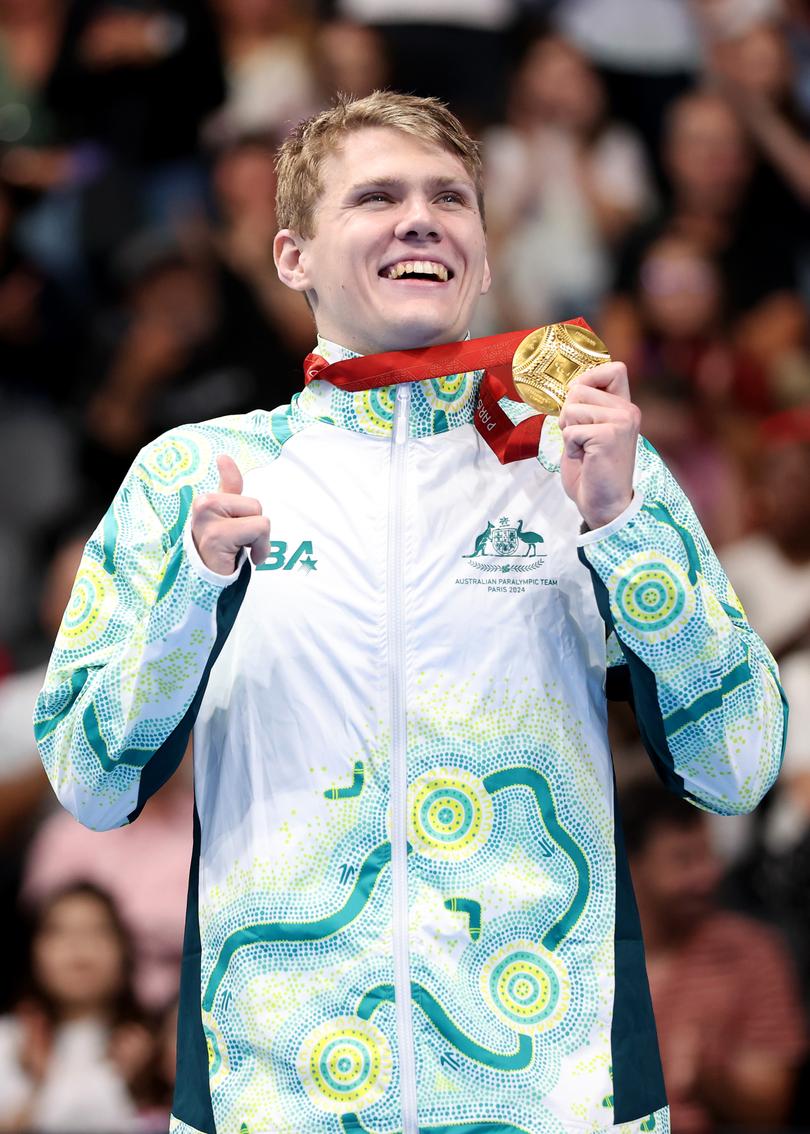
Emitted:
pixel 493 354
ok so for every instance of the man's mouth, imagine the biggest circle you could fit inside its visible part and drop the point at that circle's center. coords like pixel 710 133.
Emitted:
pixel 417 270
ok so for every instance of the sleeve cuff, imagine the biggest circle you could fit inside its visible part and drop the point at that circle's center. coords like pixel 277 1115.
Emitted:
pixel 200 569
pixel 592 535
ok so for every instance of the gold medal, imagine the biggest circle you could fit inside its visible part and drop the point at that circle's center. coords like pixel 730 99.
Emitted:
pixel 548 360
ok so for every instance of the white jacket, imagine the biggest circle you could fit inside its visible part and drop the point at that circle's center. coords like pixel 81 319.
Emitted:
pixel 409 905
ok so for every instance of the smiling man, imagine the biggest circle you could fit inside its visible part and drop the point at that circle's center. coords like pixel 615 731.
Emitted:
pixel 409 905
pixel 396 257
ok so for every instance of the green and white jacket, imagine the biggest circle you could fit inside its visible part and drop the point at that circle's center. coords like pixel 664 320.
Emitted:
pixel 409 906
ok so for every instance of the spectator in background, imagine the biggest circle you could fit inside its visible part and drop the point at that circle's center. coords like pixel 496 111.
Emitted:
pixel 268 69
pixel 135 79
pixel 30 31
pixel 138 77
pixel 710 168
pixel 76 1046
pixel 797 20
pixel 726 1002
pixel 647 54
pixel 460 53
pixel 23 792
pixel 155 1118
pixel 778 873
pixel 33 161
pixel 351 58
pixel 699 393
pixel 782 872
pixel 770 567
pixel 564 184
pixel 19 771
pixel 682 334
pixel 193 344
pixel 39 346
pixel 751 63
pixel 244 190
pixel 144 870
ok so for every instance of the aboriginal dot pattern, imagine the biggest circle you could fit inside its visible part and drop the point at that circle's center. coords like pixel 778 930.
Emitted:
pixel 510 869
pixel 480 1006
pixel 674 610
pixel 437 404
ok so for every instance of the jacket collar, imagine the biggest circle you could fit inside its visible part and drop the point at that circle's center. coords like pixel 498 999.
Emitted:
pixel 437 404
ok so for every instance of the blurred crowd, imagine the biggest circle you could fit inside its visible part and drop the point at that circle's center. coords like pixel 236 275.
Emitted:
pixel 647 166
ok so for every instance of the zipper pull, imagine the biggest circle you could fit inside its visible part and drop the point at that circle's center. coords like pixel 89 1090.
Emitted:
pixel 402 408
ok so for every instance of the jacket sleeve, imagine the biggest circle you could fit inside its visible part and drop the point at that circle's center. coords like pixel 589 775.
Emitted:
pixel 144 625
pixel 705 689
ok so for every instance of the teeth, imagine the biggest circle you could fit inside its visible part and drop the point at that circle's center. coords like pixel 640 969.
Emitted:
pixel 420 267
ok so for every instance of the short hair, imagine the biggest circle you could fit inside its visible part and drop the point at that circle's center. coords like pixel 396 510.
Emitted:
pixel 301 155
pixel 646 806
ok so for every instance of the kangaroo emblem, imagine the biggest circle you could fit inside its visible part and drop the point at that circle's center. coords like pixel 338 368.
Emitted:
pixel 531 539
pixel 480 543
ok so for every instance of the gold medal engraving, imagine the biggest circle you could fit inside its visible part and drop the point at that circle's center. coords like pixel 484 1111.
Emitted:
pixel 548 360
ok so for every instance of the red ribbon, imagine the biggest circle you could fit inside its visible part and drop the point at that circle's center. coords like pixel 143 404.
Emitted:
pixel 492 354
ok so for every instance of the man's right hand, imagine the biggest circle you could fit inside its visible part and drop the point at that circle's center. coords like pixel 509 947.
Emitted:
pixel 225 521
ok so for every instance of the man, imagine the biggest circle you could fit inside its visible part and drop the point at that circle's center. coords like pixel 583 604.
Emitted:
pixel 726 998
pixel 408 909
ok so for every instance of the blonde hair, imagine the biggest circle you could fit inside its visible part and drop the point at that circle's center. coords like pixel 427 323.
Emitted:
pixel 302 154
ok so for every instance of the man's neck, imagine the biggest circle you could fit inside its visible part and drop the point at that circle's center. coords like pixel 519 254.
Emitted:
pixel 333 350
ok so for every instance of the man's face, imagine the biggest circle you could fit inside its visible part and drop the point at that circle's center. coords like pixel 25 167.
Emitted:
pixel 391 205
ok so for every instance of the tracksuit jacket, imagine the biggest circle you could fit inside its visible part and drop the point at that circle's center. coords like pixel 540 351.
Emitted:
pixel 409 904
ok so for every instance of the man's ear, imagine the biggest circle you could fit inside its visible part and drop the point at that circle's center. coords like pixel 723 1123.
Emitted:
pixel 287 248
pixel 486 279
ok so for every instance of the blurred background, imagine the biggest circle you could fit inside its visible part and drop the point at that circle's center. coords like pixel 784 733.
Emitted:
pixel 647 166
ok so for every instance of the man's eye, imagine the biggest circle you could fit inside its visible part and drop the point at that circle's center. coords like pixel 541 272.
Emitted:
pixel 374 197
pixel 452 197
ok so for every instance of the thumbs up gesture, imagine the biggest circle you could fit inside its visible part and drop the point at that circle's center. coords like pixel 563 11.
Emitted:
pixel 225 521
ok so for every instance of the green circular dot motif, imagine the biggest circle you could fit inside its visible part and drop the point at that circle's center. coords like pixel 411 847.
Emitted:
pixel 655 598
pixel 449 814
pixel 527 987
pixel 345 1064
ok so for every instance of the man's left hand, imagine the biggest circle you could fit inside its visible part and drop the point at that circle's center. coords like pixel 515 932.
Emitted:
pixel 600 428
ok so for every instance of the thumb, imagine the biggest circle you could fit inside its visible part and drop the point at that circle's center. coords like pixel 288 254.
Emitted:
pixel 230 478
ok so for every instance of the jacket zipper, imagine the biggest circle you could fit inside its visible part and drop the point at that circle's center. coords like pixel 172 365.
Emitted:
pixel 399 771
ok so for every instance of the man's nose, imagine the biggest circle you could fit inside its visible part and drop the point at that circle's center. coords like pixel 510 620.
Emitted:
pixel 418 221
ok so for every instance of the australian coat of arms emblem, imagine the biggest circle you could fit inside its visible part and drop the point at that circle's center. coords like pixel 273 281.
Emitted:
pixel 506 541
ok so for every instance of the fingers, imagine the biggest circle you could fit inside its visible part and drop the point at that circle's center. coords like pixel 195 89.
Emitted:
pixel 593 395
pixel 613 431
pixel 250 532
pixel 600 427
pixel 260 548
pixel 225 504
pixel 600 408
pixel 577 438
pixel 230 478
pixel 219 540
pixel 228 499
pixel 610 376
pixel 621 414
pixel 601 396
pixel 225 521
